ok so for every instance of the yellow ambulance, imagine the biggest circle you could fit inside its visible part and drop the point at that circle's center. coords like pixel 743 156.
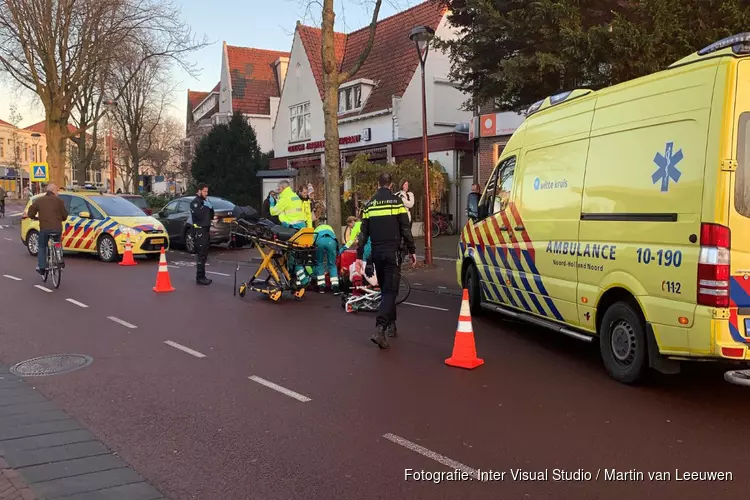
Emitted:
pixel 623 215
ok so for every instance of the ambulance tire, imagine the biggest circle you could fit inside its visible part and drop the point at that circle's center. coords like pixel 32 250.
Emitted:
pixel 623 343
pixel 471 283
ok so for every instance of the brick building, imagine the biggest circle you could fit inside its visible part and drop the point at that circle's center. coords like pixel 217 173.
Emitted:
pixel 490 131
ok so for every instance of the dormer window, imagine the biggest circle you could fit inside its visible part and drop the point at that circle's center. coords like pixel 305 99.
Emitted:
pixel 350 99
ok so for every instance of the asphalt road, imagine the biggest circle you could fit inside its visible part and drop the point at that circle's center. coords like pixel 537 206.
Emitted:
pixel 182 387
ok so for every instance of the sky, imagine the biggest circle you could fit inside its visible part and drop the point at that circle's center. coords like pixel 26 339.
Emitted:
pixel 263 24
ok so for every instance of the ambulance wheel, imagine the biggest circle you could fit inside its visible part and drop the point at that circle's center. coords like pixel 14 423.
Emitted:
pixel 32 242
pixel 622 342
pixel 106 248
pixel 471 283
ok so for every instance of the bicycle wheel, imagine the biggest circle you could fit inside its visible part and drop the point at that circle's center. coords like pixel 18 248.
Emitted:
pixel 435 227
pixel 449 229
pixel 404 289
pixel 56 272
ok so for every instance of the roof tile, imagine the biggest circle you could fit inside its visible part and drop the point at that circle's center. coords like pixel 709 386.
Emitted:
pixel 195 98
pixel 392 60
pixel 253 78
pixel 41 128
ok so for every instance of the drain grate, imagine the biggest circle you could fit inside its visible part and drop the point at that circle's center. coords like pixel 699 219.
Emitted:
pixel 51 365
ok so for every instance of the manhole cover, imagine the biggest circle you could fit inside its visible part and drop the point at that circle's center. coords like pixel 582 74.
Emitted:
pixel 51 365
pixel 738 377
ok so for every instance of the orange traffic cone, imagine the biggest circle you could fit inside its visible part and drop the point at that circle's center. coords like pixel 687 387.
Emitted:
pixel 464 349
pixel 163 283
pixel 127 257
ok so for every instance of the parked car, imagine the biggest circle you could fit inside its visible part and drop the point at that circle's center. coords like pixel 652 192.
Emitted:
pixel 139 201
pixel 177 220
pixel 100 223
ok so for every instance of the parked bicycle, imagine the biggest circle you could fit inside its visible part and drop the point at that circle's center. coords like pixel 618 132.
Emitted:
pixel 55 262
pixel 441 224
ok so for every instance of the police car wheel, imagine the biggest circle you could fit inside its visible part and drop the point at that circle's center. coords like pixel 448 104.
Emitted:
pixel 32 242
pixel 622 343
pixel 471 283
pixel 189 240
pixel 106 248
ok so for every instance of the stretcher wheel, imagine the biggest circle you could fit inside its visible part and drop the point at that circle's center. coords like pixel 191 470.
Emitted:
pixel 299 293
pixel 275 296
pixel 243 290
pixel 349 308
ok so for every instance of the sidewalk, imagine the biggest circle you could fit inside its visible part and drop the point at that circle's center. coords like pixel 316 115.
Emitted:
pixel 46 454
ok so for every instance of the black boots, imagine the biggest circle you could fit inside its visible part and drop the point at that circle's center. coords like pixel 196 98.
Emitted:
pixel 379 338
pixel 203 281
pixel 391 330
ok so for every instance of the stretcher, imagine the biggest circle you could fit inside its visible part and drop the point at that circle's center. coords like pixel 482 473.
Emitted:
pixel 365 297
pixel 281 249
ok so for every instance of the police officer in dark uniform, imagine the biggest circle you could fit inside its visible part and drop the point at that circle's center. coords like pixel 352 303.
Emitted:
pixel 202 213
pixel 385 222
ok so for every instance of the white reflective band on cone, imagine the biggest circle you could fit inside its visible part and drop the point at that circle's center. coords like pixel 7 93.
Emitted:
pixel 464 326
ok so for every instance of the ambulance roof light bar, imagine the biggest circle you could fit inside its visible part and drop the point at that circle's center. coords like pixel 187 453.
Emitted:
pixel 740 45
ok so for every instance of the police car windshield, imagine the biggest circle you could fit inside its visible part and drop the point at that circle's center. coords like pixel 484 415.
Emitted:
pixel 114 206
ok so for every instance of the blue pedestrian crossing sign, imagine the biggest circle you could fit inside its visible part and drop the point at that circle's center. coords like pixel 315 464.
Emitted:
pixel 39 172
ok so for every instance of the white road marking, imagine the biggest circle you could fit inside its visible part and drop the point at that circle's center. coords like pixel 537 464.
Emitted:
pixel 426 307
pixel 283 390
pixel 75 302
pixel 16 214
pixel 220 274
pixel 185 349
pixel 43 288
pixel 432 455
pixel 8 239
pixel 173 267
pixel 12 277
pixel 448 259
pixel 121 322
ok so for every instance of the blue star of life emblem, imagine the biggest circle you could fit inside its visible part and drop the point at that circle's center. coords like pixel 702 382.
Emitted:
pixel 667 170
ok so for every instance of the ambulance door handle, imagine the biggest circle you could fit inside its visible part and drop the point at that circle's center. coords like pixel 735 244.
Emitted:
pixel 520 228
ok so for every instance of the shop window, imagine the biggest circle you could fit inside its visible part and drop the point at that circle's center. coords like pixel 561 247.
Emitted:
pixel 350 99
pixel 299 117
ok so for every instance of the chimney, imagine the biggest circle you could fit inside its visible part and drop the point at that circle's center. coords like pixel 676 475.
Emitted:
pixel 281 65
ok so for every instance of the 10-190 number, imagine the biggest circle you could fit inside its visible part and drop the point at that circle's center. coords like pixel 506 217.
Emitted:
pixel 666 258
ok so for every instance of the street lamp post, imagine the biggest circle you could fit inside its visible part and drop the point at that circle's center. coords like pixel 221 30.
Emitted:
pixel 111 104
pixel 421 36
pixel 34 141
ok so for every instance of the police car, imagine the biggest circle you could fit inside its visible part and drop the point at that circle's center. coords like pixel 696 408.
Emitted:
pixel 100 223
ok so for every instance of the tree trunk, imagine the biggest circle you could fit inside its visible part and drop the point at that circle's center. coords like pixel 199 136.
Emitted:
pixel 57 137
pixel 330 113
pixel 134 173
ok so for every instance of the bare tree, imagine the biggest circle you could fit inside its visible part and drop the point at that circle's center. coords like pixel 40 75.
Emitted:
pixel 143 101
pixel 15 120
pixel 333 77
pixel 55 49
pixel 166 141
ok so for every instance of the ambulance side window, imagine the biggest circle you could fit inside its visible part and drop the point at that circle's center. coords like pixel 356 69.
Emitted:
pixel 742 184
pixel 499 188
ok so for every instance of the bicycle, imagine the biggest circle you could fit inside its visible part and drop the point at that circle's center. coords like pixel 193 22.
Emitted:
pixel 367 298
pixel 441 224
pixel 55 262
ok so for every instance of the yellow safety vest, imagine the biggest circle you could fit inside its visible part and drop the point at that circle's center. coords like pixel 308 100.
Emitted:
pixel 288 208
pixel 307 211
pixel 354 234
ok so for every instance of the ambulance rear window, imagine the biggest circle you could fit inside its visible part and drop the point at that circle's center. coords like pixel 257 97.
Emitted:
pixel 742 184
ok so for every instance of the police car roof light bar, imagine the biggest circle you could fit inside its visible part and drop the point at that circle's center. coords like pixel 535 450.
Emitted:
pixel 739 44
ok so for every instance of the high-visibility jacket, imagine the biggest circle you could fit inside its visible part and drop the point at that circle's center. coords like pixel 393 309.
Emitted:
pixel 324 230
pixel 307 212
pixel 354 234
pixel 288 209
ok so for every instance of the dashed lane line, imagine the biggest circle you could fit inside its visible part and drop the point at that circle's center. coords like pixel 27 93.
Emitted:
pixel 121 322
pixel 8 239
pixel 185 349
pixel 426 307
pixel 75 302
pixel 14 278
pixel 433 455
pixel 282 390
pixel 43 288
pixel 17 214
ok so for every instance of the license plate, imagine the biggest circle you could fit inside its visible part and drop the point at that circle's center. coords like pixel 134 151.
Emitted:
pixel 157 241
pixel 228 219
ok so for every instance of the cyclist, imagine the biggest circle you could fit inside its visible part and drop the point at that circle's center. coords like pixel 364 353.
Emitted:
pixel 2 202
pixel 51 213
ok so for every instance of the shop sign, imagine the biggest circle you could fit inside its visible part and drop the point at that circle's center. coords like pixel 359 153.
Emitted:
pixel 351 139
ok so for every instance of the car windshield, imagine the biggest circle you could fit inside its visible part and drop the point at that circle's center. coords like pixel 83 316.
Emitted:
pixel 220 203
pixel 138 201
pixel 115 206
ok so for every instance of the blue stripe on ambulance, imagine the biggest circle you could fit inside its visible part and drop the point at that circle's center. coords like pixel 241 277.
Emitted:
pixel 540 285
pixel 508 292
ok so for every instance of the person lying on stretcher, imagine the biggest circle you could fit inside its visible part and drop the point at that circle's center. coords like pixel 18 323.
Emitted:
pixel 361 274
